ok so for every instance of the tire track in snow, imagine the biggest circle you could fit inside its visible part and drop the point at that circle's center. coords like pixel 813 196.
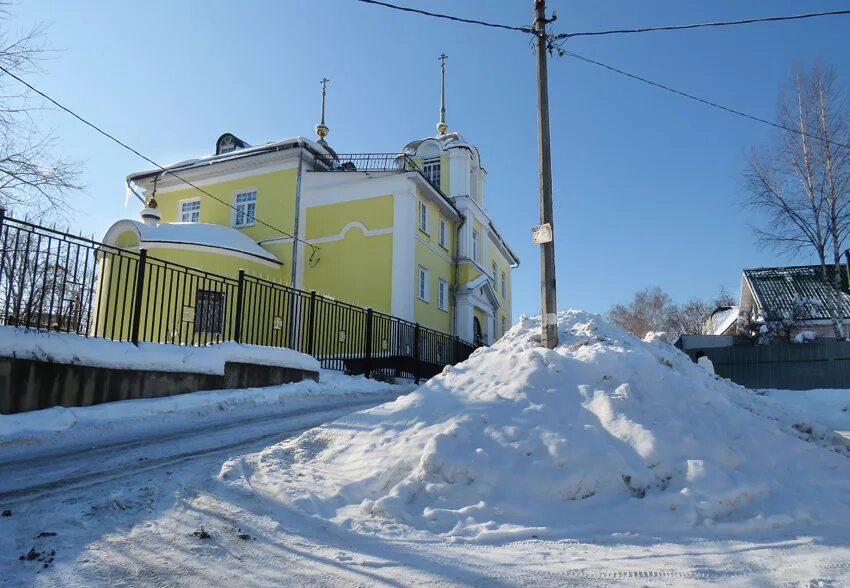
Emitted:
pixel 107 470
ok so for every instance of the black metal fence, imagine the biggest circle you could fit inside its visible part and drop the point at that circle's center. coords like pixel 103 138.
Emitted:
pixel 52 280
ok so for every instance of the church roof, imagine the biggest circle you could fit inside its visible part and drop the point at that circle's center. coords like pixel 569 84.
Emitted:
pixel 448 141
pixel 247 151
pixel 202 234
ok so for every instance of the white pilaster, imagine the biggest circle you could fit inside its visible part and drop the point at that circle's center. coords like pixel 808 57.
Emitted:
pixel 404 254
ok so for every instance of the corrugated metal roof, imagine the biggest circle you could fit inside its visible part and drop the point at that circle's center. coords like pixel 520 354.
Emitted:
pixel 778 288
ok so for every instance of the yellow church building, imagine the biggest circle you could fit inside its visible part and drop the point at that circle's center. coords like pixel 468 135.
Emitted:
pixel 403 233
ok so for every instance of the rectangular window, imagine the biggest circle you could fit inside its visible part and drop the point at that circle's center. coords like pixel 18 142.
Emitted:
pixel 494 275
pixel 423 217
pixel 504 325
pixel 504 285
pixel 422 288
pixel 431 169
pixel 443 295
pixel 209 311
pixel 246 208
pixel 475 245
pixel 190 211
pixel 444 237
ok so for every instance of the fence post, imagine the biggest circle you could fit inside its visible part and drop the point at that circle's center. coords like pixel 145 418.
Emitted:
pixel 240 296
pixel 137 302
pixel 457 350
pixel 311 323
pixel 368 346
pixel 416 367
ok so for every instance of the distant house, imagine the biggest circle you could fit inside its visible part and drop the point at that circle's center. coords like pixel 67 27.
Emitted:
pixel 799 293
pixel 722 321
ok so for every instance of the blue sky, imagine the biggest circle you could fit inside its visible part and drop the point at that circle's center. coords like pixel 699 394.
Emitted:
pixel 647 185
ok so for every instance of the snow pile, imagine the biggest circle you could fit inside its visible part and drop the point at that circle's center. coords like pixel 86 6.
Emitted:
pixel 74 349
pixel 805 336
pixel 604 434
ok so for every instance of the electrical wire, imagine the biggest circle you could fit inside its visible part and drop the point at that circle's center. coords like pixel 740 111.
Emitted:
pixel 698 99
pixel 705 24
pixel 146 158
pixel 525 29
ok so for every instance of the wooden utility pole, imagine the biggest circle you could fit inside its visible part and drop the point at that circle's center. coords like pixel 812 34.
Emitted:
pixel 544 158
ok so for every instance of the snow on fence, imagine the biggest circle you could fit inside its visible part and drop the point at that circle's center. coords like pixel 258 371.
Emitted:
pixel 54 281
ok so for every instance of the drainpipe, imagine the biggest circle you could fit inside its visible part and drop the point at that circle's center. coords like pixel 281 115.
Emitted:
pixel 457 259
pixel 297 216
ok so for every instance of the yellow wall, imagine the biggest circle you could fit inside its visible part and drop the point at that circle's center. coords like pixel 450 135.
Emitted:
pixel 433 233
pixel 356 268
pixel 504 301
pixel 467 272
pixel 170 292
pixel 429 314
pixel 275 205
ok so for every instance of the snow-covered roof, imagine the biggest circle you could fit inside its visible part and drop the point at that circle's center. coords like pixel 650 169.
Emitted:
pixel 448 141
pixel 235 154
pixel 721 320
pixel 782 290
pixel 199 234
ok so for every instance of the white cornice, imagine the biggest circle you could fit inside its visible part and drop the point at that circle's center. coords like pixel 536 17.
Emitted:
pixel 225 171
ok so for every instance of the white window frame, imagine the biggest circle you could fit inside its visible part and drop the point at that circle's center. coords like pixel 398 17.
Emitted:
pixel 444 241
pixel 474 245
pixel 180 212
pixel 504 285
pixel 423 279
pixel 443 294
pixel 422 217
pixel 431 170
pixel 237 205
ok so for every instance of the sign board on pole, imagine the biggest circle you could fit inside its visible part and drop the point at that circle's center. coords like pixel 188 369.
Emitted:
pixel 541 234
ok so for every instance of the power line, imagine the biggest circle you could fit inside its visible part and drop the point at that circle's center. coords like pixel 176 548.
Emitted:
pixel 704 24
pixel 701 100
pixel 449 17
pixel 145 157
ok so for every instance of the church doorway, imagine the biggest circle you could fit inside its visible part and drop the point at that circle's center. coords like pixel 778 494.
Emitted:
pixel 477 335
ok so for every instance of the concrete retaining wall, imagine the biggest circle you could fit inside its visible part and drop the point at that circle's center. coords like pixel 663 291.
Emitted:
pixel 27 384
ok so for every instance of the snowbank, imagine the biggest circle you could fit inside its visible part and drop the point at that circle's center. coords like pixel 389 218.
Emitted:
pixel 37 431
pixel 92 351
pixel 604 434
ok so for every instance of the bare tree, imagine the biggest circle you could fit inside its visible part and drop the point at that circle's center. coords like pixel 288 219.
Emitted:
pixel 689 318
pixel 650 310
pixel 801 183
pixel 32 180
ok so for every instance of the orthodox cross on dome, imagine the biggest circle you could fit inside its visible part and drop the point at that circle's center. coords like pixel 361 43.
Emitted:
pixel 442 127
pixel 321 129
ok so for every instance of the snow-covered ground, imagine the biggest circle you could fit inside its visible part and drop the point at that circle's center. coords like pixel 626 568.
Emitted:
pixel 607 461
pixel 829 408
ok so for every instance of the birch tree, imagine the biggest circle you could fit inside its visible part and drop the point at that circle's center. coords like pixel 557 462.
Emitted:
pixel 33 180
pixel 799 186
